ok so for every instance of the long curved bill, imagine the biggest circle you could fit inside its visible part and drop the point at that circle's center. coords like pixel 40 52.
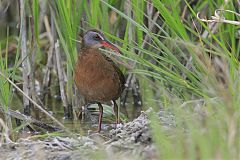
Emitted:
pixel 108 44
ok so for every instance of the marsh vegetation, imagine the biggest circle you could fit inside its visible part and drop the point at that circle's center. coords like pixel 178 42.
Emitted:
pixel 181 63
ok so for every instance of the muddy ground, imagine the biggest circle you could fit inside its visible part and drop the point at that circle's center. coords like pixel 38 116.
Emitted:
pixel 132 141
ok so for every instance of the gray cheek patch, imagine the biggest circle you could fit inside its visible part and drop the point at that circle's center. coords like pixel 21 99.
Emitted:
pixel 90 41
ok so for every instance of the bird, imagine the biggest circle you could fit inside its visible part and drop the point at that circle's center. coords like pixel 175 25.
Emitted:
pixel 97 77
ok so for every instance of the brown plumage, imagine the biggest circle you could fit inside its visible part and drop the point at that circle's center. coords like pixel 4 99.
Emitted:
pixel 97 77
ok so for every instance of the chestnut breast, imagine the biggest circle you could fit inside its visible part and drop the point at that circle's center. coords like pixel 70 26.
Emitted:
pixel 97 77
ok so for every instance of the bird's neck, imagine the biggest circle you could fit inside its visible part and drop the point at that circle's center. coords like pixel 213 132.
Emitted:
pixel 88 50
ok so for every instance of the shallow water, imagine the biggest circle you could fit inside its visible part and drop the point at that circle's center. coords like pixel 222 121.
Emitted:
pixel 84 126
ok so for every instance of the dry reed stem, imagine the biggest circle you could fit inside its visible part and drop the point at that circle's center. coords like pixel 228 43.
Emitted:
pixel 32 101
pixel 24 56
pixel 29 120
pixel 217 18
pixel 47 74
pixel 5 133
pixel 61 80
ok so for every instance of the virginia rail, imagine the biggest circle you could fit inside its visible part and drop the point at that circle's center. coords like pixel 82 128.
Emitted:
pixel 97 77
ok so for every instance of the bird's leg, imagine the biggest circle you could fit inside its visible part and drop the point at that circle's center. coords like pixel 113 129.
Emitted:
pixel 100 116
pixel 116 112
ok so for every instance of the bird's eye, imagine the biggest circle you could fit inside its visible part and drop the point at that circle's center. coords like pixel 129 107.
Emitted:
pixel 97 37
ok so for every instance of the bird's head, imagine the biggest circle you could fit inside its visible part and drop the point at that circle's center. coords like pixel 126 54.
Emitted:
pixel 95 39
